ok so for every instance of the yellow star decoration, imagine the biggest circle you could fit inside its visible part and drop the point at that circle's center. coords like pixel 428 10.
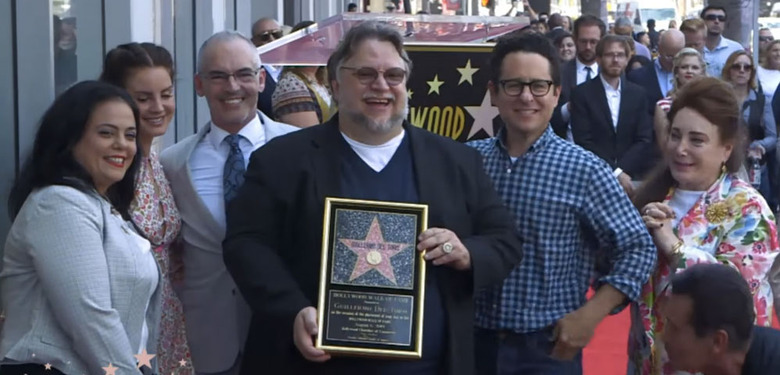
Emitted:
pixel 47 366
pixel 467 73
pixel 409 93
pixel 434 85
pixel 144 358
pixel 110 370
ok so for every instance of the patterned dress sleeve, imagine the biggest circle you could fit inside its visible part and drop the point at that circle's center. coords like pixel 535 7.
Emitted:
pixel 748 243
pixel 292 96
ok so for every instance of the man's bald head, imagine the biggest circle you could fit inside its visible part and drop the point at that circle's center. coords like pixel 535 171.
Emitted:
pixel 669 43
pixel 265 30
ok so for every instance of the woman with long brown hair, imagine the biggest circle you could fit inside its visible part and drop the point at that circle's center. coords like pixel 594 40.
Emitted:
pixel 698 211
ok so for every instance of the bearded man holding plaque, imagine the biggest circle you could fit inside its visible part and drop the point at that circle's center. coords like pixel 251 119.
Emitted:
pixel 367 151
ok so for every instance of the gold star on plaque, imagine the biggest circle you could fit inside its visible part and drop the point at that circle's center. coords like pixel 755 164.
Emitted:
pixel 434 85
pixel 467 73
pixel 374 253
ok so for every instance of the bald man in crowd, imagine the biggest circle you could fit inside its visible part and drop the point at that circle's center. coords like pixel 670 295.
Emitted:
pixel 264 31
pixel 657 78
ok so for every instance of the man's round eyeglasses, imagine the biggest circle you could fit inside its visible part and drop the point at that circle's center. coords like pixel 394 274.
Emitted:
pixel 367 76
pixel 515 87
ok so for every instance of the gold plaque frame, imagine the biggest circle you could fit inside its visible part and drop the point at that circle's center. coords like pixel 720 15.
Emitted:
pixel 378 311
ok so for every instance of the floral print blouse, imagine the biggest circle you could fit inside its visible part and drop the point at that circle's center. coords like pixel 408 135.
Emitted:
pixel 733 222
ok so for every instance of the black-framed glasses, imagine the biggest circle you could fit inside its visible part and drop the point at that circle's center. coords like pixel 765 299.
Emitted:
pixel 713 17
pixel 742 67
pixel 265 36
pixel 367 75
pixel 515 87
pixel 246 75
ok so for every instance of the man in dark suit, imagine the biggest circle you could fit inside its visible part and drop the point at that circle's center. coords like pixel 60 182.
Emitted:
pixel 609 114
pixel 588 30
pixel 264 31
pixel 658 78
pixel 366 151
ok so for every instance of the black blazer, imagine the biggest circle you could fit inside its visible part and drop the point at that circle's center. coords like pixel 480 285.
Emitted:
pixel 591 125
pixel 274 234
pixel 647 79
pixel 568 83
pixel 264 98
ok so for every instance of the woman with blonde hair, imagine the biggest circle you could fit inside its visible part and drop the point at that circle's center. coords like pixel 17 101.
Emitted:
pixel 757 116
pixel 688 65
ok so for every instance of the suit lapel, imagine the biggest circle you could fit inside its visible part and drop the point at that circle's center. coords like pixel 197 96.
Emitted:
pixel 426 172
pixel 603 102
pixel 624 109
pixel 326 158
pixel 189 187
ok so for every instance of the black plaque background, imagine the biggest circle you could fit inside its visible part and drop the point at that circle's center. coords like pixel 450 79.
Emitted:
pixel 417 291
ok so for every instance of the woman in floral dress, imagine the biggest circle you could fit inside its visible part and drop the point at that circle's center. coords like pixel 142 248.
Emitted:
pixel 145 70
pixel 698 211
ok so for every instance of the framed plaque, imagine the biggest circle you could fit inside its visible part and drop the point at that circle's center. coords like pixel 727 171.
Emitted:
pixel 372 281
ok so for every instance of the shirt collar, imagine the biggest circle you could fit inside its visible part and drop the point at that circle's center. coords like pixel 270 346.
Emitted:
pixel 608 87
pixel 659 67
pixel 581 66
pixel 253 131
pixel 538 145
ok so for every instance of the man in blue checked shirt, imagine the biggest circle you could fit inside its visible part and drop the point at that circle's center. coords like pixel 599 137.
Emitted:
pixel 569 210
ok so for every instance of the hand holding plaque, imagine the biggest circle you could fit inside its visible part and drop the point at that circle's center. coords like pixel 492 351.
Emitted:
pixel 304 329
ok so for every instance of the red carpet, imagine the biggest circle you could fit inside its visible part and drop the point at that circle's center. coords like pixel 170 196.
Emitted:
pixel 606 353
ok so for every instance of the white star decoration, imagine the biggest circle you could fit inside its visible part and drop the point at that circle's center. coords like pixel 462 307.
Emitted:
pixel 110 370
pixel 144 358
pixel 483 116
pixel 467 73
pixel 434 85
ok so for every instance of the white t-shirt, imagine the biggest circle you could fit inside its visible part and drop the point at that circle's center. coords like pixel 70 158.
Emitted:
pixel 769 79
pixel 682 201
pixel 376 156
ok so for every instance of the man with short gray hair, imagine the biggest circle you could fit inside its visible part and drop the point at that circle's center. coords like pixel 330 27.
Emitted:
pixel 205 170
pixel 368 150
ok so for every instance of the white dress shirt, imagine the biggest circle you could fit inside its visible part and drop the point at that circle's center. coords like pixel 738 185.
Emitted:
pixel 582 76
pixel 582 72
pixel 273 71
pixel 613 100
pixel 207 162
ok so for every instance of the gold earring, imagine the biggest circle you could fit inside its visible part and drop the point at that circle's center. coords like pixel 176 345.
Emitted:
pixel 723 168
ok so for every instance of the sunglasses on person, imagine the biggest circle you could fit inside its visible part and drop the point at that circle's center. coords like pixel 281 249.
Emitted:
pixel 367 76
pixel 766 38
pixel 713 17
pixel 742 67
pixel 266 35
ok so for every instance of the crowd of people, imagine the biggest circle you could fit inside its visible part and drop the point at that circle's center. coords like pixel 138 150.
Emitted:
pixel 640 184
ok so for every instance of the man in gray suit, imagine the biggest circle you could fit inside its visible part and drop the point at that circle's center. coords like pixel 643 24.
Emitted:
pixel 205 170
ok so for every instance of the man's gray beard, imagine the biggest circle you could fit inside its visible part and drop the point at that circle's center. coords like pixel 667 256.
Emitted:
pixel 376 126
